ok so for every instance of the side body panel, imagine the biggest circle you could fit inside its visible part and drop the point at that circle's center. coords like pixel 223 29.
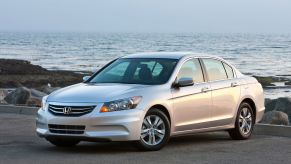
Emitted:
pixel 254 91
pixel 191 107
pixel 225 98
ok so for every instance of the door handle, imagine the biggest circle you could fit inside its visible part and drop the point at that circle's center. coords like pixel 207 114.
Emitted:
pixel 234 84
pixel 205 89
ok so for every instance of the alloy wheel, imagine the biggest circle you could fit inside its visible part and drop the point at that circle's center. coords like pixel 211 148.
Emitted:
pixel 245 121
pixel 153 130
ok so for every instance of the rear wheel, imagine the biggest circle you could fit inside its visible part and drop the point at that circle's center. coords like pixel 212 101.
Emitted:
pixel 155 131
pixel 244 123
pixel 63 142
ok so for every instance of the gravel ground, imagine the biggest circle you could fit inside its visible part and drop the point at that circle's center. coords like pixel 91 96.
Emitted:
pixel 19 144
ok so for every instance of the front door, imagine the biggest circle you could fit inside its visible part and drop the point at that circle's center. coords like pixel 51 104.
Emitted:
pixel 192 104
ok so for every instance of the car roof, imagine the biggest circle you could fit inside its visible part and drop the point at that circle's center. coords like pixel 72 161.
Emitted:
pixel 169 55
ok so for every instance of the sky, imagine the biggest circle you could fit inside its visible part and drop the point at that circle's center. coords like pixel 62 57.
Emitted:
pixel 146 16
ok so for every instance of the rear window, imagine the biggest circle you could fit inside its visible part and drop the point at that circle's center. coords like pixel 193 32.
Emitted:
pixel 229 71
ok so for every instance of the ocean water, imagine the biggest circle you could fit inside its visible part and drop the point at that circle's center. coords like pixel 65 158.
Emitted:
pixel 256 54
pixel 253 54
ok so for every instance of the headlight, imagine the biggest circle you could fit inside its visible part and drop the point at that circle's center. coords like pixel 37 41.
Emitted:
pixel 43 102
pixel 123 104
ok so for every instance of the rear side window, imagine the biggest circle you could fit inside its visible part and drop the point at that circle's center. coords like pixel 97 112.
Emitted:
pixel 229 71
pixel 215 69
pixel 191 68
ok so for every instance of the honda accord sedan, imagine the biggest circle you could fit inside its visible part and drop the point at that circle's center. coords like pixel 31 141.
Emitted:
pixel 147 98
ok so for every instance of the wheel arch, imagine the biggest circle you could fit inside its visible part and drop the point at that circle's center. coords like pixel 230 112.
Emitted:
pixel 163 109
pixel 252 103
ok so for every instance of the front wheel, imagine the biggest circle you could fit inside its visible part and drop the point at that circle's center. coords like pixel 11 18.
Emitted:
pixel 155 131
pixel 244 123
pixel 62 142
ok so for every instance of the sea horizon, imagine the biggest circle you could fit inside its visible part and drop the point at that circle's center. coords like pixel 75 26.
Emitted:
pixel 255 54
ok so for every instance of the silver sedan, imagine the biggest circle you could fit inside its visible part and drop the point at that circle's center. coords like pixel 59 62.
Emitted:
pixel 149 97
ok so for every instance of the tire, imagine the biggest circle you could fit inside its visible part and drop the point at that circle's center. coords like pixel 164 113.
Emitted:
pixel 63 142
pixel 156 133
pixel 244 123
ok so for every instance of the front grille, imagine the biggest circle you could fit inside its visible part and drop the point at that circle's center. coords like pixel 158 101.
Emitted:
pixel 59 110
pixel 66 129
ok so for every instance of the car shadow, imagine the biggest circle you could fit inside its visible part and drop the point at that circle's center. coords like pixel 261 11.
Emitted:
pixel 125 147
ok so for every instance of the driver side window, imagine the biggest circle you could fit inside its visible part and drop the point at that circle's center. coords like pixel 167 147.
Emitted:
pixel 192 69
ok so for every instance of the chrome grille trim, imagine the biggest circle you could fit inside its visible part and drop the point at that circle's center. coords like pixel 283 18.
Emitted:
pixel 75 110
pixel 66 129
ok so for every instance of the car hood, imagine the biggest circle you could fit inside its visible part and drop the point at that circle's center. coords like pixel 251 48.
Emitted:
pixel 93 93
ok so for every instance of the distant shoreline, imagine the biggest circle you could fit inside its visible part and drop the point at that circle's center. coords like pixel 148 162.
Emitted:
pixel 21 73
pixel 16 73
pixel 12 70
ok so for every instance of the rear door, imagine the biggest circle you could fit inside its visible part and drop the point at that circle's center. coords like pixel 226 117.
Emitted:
pixel 225 91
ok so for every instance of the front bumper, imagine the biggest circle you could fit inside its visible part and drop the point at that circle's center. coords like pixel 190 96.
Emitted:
pixel 112 126
pixel 260 114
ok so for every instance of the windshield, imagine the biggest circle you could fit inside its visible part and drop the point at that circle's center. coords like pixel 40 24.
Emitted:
pixel 136 71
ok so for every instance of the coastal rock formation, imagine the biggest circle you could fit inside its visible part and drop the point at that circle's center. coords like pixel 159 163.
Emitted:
pixel 35 98
pixel 269 80
pixel 281 104
pixel 17 73
pixel 48 90
pixel 20 67
pixel 24 96
pixel 265 81
pixel 3 94
pixel 275 117
pixel 18 96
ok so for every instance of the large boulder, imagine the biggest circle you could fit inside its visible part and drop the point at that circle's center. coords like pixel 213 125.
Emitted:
pixel 48 90
pixel 275 117
pixel 18 96
pixel 36 97
pixel 3 94
pixel 281 104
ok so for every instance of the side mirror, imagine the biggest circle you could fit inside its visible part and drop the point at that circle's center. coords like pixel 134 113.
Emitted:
pixel 184 82
pixel 85 78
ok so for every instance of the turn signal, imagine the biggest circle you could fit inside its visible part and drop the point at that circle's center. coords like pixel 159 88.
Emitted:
pixel 104 109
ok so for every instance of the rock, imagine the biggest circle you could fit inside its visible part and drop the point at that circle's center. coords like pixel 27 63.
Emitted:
pixel 17 73
pixel 270 104
pixel 265 81
pixel 34 102
pixel 281 104
pixel 269 80
pixel 267 100
pixel 35 98
pixel 25 96
pixel 3 102
pixel 18 96
pixel 3 94
pixel 275 117
pixel 36 93
pixel 20 67
pixel 48 90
